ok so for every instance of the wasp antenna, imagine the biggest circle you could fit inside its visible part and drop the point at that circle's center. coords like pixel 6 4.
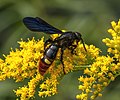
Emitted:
pixel 83 44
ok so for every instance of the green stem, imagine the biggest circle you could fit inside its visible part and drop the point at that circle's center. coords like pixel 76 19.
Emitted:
pixel 82 67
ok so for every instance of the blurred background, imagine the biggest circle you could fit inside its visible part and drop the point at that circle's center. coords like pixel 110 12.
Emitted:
pixel 89 17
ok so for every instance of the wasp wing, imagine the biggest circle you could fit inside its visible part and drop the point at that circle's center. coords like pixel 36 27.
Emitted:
pixel 39 25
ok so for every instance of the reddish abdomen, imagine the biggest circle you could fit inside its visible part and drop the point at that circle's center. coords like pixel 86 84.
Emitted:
pixel 48 58
pixel 43 66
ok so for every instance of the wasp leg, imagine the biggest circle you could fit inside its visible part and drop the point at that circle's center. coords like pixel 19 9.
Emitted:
pixel 83 44
pixel 72 48
pixel 61 59
pixel 47 42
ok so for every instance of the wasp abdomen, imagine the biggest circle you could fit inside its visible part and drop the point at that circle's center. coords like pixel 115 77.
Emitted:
pixel 47 59
pixel 44 65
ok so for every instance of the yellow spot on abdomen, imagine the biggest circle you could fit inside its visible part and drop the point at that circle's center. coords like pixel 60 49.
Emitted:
pixel 47 61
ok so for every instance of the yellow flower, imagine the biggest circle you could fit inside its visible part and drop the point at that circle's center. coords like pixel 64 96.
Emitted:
pixel 86 71
pixel 82 97
pixel 81 79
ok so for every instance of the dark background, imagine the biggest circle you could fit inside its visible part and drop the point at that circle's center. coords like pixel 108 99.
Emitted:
pixel 90 17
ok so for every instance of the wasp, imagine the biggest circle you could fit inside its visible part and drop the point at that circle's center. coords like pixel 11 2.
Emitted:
pixel 65 40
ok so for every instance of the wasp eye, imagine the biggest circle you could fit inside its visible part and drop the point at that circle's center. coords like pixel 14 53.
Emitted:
pixel 78 35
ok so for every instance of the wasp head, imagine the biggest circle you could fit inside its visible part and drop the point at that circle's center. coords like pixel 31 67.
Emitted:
pixel 79 38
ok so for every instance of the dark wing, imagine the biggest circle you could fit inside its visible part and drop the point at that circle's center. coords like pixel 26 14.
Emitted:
pixel 39 25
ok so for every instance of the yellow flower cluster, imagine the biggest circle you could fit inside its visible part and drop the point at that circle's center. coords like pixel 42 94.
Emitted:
pixel 27 92
pixel 21 63
pixel 103 69
pixel 96 78
pixel 114 43
pixel 49 87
